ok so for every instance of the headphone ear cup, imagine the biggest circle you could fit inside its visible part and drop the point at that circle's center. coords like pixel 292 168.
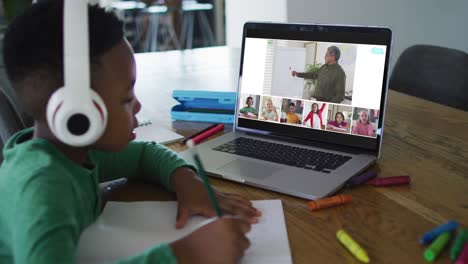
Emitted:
pixel 76 122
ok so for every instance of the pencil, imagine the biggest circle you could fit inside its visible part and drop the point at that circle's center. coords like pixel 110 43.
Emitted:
pixel 201 173
pixel 198 133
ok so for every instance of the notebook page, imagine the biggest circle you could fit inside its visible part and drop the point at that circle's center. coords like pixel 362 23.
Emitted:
pixel 159 134
pixel 126 229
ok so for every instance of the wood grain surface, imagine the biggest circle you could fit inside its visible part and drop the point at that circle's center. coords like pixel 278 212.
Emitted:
pixel 422 139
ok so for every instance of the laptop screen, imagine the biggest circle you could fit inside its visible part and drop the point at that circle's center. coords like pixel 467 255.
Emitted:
pixel 324 83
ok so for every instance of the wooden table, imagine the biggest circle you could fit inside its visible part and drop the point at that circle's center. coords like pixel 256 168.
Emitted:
pixel 422 139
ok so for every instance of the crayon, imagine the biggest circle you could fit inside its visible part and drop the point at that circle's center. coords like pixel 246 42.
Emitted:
pixel 429 236
pixel 328 202
pixel 352 246
pixel 462 239
pixel 360 179
pixel 463 258
pixel 198 133
pixel 436 247
pixel 208 133
pixel 390 181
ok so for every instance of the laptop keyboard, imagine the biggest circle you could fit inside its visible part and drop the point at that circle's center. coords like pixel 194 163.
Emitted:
pixel 284 154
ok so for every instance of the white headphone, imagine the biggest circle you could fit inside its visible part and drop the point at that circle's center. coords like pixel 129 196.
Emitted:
pixel 76 114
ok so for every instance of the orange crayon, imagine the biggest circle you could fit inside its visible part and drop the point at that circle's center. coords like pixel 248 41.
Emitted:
pixel 329 202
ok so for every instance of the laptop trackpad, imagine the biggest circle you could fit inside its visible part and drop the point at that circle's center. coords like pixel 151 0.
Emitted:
pixel 249 169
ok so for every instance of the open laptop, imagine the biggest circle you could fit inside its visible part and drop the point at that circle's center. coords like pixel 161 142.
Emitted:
pixel 310 108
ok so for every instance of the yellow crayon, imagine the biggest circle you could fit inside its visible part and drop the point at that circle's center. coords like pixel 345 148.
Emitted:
pixel 352 246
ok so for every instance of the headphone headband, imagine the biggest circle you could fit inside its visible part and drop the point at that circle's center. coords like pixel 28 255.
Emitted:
pixel 76 48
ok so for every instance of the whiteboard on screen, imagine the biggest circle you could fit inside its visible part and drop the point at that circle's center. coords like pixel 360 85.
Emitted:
pixel 284 84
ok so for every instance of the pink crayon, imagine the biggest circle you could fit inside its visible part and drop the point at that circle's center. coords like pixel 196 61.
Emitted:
pixel 463 258
pixel 390 181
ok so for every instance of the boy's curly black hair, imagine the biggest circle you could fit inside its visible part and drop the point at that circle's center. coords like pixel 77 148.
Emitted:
pixel 33 50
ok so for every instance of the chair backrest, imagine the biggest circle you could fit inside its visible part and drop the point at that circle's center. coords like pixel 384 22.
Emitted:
pixel 434 73
pixel 10 121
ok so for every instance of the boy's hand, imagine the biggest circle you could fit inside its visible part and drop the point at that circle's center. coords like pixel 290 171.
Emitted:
pixel 221 241
pixel 194 200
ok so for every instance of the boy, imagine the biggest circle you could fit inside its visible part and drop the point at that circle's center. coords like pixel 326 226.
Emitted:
pixel 292 117
pixel 249 111
pixel 49 191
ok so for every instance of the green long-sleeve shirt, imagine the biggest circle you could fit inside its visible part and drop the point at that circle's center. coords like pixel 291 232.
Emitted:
pixel 331 80
pixel 47 200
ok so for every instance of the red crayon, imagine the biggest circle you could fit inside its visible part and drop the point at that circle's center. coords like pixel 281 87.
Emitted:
pixel 208 133
pixel 463 258
pixel 184 141
pixel 390 181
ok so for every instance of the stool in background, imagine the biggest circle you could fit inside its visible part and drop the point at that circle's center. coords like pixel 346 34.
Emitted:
pixel 130 13
pixel 156 13
pixel 190 9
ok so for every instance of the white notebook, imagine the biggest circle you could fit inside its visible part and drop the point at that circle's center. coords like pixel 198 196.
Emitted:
pixel 148 131
pixel 126 229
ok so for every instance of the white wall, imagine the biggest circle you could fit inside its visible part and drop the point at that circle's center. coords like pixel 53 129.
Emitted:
pixel 435 22
pixel 240 11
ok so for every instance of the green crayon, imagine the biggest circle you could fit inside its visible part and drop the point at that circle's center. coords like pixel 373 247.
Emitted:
pixel 436 247
pixel 457 247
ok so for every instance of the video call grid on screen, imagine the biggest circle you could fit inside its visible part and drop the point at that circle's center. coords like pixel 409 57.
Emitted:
pixel 341 96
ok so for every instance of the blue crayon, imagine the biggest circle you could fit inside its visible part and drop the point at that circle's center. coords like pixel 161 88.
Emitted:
pixel 361 179
pixel 431 235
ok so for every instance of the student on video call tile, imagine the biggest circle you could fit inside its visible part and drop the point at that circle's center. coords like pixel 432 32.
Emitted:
pixel 270 109
pixel 339 118
pixel 291 111
pixel 251 106
pixel 365 121
pixel 317 114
